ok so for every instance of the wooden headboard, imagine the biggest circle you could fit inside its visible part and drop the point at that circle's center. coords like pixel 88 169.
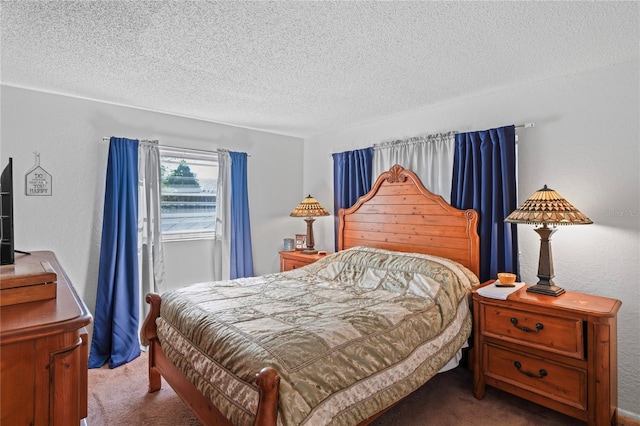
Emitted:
pixel 400 214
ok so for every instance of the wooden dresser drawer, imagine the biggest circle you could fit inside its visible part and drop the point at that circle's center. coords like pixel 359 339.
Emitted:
pixel 559 382
pixel 562 335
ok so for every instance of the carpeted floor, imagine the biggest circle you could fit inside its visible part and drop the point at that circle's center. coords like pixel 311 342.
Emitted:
pixel 119 397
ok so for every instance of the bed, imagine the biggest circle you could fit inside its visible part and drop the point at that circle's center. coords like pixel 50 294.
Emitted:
pixel 339 341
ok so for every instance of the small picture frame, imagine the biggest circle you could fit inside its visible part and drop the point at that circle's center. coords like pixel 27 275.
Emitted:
pixel 301 241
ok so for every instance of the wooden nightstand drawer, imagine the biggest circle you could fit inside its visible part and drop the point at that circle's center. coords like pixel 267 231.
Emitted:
pixel 558 382
pixel 294 259
pixel 289 264
pixel 562 335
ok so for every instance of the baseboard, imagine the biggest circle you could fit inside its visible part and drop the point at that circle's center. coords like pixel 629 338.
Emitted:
pixel 627 419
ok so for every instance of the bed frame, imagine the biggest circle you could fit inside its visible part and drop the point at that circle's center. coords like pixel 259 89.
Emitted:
pixel 397 214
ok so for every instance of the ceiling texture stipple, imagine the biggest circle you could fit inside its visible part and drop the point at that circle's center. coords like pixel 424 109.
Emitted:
pixel 302 68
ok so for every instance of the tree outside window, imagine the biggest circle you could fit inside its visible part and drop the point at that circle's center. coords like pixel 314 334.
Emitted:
pixel 188 194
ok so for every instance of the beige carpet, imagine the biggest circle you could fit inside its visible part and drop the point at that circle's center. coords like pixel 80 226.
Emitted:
pixel 119 397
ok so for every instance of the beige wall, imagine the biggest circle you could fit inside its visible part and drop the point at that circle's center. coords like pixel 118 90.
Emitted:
pixel 585 145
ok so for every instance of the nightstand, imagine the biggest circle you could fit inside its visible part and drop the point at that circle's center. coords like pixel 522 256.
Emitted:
pixel 294 259
pixel 560 352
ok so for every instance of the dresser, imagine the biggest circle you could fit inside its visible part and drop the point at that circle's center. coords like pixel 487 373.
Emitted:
pixel 294 259
pixel 44 353
pixel 559 352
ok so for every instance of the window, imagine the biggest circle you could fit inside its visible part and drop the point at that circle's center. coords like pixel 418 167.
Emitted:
pixel 188 189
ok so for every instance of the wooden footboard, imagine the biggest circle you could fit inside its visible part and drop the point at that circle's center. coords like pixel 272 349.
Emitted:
pixel 160 366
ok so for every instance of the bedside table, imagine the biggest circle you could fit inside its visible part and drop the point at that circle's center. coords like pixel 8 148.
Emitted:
pixel 294 259
pixel 560 352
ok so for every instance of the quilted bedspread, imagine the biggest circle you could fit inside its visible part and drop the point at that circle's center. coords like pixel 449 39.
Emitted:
pixel 349 334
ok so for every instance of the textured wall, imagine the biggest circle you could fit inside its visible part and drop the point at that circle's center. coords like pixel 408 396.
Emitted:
pixel 585 145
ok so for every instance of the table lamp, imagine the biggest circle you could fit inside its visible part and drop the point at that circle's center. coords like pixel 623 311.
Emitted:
pixel 308 208
pixel 546 207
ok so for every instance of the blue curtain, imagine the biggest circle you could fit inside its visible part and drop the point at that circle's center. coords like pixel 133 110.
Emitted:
pixel 115 331
pixel 352 178
pixel 484 179
pixel 241 252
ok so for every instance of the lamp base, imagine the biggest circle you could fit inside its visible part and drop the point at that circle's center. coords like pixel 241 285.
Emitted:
pixel 310 243
pixel 545 284
pixel 549 290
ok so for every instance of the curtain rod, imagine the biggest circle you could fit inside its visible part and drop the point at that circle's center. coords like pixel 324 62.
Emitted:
pixel 156 142
pixel 107 139
pixel 517 126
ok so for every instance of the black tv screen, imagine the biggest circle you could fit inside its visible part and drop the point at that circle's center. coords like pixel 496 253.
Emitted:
pixel 7 255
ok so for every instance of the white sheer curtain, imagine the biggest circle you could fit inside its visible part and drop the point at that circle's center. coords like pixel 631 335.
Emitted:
pixel 222 239
pixel 150 252
pixel 430 157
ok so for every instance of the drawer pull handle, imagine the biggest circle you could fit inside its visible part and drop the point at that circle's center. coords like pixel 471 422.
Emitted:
pixel 542 373
pixel 539 326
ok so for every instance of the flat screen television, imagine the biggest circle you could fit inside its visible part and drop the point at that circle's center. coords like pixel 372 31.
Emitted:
pixel 7 254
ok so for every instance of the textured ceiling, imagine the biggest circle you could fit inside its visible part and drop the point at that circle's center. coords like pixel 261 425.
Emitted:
pixel 301 68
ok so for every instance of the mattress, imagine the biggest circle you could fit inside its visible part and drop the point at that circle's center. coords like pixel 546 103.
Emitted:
pixel 349 335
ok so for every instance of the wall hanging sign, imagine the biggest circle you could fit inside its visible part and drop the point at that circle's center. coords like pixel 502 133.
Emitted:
pixel 37 180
